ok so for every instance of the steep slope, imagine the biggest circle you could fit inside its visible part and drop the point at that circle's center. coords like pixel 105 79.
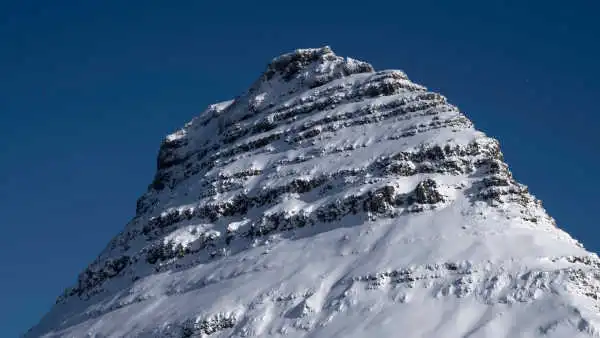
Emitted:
pixel 333 200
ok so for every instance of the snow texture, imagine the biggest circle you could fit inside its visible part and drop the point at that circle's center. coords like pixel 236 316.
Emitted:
pixel 333 200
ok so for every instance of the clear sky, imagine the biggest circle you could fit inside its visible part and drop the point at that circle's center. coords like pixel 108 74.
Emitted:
pixel 89 88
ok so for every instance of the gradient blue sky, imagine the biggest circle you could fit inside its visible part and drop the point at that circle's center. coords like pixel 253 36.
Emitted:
pixel 89 88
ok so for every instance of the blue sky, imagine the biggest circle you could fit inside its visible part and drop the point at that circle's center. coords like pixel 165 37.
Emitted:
pixel 89 88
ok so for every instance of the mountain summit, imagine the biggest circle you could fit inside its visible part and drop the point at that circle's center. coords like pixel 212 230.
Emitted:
pixel 333 200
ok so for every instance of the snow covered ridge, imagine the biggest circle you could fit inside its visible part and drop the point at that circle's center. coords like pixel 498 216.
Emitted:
pixel 333 200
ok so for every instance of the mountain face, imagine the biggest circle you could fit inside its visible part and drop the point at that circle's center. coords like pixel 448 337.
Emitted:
pixel 333 200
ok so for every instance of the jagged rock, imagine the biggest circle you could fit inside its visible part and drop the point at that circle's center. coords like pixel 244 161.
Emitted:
pixel 426 192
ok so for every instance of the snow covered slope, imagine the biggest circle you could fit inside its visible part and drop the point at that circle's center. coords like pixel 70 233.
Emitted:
pixel 333 200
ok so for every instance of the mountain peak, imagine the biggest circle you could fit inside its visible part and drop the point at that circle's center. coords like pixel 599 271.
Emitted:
pixel 315 65
pixel 303 56
pixel 333 200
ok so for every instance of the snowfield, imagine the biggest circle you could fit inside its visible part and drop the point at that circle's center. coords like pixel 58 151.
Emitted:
pixel 333 200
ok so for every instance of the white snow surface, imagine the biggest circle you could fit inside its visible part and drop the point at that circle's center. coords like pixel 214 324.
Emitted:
pixel 333 200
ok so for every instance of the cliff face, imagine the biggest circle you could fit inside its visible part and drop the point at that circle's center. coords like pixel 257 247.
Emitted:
pixel 333 200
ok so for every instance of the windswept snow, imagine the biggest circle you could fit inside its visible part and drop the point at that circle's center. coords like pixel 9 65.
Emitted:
pixel 333 200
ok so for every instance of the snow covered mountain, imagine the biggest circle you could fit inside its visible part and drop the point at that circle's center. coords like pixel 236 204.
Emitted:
pixel 333 200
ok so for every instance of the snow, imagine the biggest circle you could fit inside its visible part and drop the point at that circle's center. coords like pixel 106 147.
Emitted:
pixel 331 200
